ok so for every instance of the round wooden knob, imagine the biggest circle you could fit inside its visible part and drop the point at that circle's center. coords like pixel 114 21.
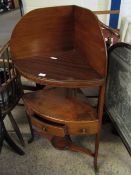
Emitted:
pixel 83 130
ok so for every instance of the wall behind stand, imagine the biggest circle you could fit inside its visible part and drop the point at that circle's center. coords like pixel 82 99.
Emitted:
pixel 125 10
pixel 125 21
pixel 94 5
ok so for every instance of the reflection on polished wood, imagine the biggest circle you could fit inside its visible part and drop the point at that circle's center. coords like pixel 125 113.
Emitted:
pixel 71 33
pixel 62 47
pixel 69 69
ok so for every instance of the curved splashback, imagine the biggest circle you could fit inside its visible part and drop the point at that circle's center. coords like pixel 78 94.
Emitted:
pixel 47 31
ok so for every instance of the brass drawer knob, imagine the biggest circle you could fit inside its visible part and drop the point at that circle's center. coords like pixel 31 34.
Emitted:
pixel 45 129
pixel 83 130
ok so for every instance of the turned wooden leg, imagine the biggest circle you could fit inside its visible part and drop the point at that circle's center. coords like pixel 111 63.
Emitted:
pixel 100 114
pixel 31 129
pixel 65 143
pixel 61 143
pixel 16 128
pixel 96 153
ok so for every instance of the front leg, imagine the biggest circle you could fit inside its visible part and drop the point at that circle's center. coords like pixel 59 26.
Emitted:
pixel 31 129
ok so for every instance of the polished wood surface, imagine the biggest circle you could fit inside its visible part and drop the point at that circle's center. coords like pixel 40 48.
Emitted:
pixel 89 40
pixel 56 115
pixel 53 105
pixel 45 30
pixel 69 33
pixel 66 45
pixel 60 108
pixel 44 127
pixel 69 69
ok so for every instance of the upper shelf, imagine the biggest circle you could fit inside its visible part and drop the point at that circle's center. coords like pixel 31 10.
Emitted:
pixel 65 69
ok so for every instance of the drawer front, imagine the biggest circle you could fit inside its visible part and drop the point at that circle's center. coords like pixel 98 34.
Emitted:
pixel 83 128
pixel 47 128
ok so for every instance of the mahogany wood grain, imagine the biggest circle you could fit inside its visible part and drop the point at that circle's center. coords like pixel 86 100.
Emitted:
pixel 66 45
pixel 70 69
pixel 89 40
pixel 52 104
pixel 56 116
pixel 83 128
pixel 70 33
pixel 44 30
pixel 47 128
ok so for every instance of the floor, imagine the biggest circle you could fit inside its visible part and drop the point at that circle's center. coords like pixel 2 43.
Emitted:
pixel 7 23
pixel 42 159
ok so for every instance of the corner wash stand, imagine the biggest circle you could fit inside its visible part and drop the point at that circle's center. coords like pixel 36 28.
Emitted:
pixel 62 48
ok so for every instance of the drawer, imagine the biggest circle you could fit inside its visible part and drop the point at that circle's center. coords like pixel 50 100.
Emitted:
pixel 48 127
pixel 81 128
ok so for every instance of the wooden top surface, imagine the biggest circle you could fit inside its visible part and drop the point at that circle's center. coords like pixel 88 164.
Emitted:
pixel 69 33
pixel 54 105
pixel 67 69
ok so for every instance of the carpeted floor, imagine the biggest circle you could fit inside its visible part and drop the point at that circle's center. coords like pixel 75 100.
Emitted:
pixel 42 159
pixel 7 23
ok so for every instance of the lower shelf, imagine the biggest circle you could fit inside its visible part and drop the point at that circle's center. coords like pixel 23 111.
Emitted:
pixel 57 114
